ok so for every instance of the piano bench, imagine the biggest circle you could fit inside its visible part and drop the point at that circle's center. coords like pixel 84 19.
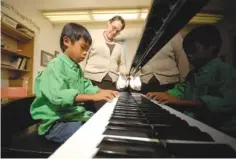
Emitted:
pixel 19 132
pixel 28 143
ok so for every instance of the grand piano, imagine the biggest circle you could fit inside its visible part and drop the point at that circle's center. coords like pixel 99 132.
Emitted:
pixel 131 125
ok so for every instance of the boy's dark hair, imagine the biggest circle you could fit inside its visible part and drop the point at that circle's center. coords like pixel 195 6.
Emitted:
pixel 74 32
pixel 206 35
pixel 117 17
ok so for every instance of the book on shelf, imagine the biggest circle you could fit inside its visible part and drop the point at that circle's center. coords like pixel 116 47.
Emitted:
pixel 23 64
pixel 14 62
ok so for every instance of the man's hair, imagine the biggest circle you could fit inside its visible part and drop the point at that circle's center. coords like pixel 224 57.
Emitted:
pixel 74 32
pixel 119 18
pixel 207 35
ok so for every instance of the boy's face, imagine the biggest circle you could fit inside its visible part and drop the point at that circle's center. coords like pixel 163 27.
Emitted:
pixel 198 54
pixel 77 50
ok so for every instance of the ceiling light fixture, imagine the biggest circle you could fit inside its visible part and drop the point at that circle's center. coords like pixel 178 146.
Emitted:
pixel 127 14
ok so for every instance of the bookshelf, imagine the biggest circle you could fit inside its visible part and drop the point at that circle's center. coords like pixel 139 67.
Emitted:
pixel 13 53
pixel 17 52
pixel 14 33
pixel 13 69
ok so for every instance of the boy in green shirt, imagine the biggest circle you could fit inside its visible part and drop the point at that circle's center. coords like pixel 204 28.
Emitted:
pixel 61 89
pixel 208 92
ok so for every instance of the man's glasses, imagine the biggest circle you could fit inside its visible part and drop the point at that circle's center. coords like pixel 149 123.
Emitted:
pixel 117 31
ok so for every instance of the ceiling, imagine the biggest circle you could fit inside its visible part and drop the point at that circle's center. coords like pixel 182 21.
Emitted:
pixel 214 6
pixel 42 5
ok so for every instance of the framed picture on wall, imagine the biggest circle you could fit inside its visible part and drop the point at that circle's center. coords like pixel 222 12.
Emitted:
pixel 45 58
pixel 56 53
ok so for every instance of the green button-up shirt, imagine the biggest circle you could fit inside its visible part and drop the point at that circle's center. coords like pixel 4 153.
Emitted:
pixel 56 89
pixel 215 85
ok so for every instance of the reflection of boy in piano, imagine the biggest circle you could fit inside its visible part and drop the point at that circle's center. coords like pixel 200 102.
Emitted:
pixel 61 89
pixel 168 67
pixel 208 92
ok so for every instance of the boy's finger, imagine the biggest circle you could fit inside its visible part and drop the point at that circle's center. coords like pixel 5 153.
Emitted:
pixel 110 96
pixel 151 95
pixel 106 99
pixel 114 93
pixel 164 102
pixel 161 100
pixel 148 94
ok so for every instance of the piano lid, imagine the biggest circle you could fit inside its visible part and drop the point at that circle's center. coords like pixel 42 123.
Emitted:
pixel 165 19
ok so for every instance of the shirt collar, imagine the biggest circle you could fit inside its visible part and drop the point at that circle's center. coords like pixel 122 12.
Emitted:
pixel 68 61
pixel 209 66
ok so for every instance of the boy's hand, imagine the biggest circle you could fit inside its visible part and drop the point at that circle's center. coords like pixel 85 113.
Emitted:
pixel 163 97
pixel 156 94
pixel 105 95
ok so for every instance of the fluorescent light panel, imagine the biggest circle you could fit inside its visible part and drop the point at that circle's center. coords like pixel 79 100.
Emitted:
pixel 65 13
pixel 105 17
pixel 122 11
pixel 69 18
pixel 127 14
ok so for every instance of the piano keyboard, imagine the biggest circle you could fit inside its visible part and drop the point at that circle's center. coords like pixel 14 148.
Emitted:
pixel 134 126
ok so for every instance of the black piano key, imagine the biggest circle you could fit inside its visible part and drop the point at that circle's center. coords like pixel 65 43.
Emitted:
pixel 205 150
pixel 144 126
pixel 113 154
pixel 128 123
pixel 147 111
pixel 129 131
pixel 129 117
pixel 127 109
pixel 129 128
pixel 181 133
pixel 130 148
pixel 125 114
pixel 115 119
pixel 173 121
pixel 126 106
pixel 152 114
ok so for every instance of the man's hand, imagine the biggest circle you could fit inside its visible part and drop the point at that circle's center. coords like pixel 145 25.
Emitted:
pixel 163 97
pixel 105 95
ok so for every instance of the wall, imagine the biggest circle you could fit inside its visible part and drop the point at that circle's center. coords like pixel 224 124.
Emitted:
pixel 44 39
